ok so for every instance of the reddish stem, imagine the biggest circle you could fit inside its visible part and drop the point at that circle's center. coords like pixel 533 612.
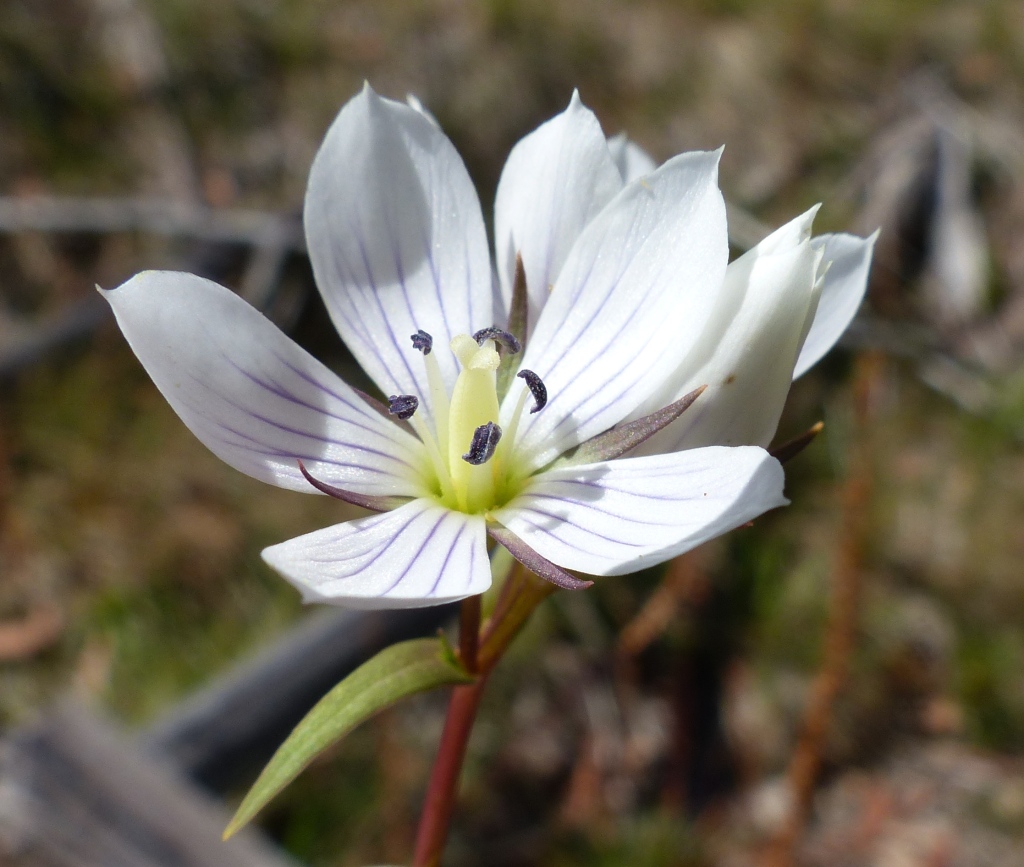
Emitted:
pixel 469 633
pixel 521 594
pixel 444 778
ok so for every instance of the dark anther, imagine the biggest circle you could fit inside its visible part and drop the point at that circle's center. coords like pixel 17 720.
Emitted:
pixel 537 388
pixel 508 341
pixel 423 342
pixel 403 405
pixel 485 441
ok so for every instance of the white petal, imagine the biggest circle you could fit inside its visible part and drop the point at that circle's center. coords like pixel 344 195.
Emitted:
pixel 631 160
pixel 255 398
pixel 619 516
pixel 636 292
pixel 847 259
pixel 420 554
pixel 397 241
pixel 746 355
pixel 555 181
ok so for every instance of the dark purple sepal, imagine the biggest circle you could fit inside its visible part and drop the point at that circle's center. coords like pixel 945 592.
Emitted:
pixel 519 306
pixel 366 501
pixel 517 318
pixel 789 450
pixel 619 440
pixel 538 565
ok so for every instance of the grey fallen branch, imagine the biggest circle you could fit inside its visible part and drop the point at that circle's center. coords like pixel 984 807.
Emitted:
pixel 159 216
pixel 155 216
pixel 76 791
pixel 272 237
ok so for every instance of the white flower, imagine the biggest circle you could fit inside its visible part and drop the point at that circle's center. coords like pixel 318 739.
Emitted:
pixel 631 306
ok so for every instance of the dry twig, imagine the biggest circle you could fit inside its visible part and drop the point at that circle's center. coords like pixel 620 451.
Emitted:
pixel 33 633
pixel 684 582
pixel 150 214
pixel 842 622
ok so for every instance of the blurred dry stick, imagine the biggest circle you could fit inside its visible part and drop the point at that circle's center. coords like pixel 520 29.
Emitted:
pixel 684 583
pixel 840 635
pixel 31 634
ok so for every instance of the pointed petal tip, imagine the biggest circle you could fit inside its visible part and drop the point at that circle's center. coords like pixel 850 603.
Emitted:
pixel 368 101
pixel 709 160
pixel 141 281
pixel 809 215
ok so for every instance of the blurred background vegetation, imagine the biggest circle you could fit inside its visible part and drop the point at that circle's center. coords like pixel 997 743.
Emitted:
pixel 129 556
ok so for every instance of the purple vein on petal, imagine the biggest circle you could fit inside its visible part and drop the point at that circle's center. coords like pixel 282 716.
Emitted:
pixel 281 392
pixel 288 456
pixel 419 551
pixel 448 556
pixel 472 564
pixel 378 548
pixel 665 498
pixel 375 294
pixel 561 519
pixel 595 508
pixel 285 394
pixel 295 431
pixel 641 372
pixel 357 406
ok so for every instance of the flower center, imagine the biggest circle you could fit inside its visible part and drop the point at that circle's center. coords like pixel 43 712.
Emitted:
pixel 469 452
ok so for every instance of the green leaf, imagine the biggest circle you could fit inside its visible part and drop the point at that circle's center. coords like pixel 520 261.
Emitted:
pixel 396 672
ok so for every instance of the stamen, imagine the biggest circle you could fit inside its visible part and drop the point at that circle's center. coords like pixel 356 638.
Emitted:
pixel 422 342
pixel 438 400
pixel 537 388
pixel 485 441
pixel 509 438
pixel 507 340
pixel 403 405
pixel 440 465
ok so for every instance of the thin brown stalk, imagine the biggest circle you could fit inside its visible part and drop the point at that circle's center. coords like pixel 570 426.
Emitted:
pixel 841 630
pixel 683 583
